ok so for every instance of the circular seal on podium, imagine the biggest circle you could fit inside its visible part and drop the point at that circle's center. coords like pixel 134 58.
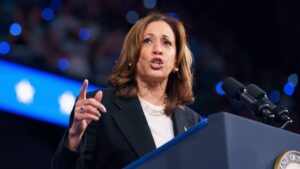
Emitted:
pixel 288 160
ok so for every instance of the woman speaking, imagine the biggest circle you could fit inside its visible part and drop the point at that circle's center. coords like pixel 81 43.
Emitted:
pixel 143 108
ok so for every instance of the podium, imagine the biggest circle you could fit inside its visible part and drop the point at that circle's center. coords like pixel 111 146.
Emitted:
pixel 226 142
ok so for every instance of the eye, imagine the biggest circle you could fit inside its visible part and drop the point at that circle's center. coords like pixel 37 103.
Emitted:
pixel 167 42
pixel 147 41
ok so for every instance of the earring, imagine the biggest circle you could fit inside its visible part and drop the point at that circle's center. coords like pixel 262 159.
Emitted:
pixel 129 64
pixel 175 70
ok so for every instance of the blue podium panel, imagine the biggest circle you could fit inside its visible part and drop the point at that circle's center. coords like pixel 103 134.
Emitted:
pixel 227 142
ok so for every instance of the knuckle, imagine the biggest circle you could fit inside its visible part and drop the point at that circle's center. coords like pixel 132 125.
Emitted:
pixel 77 117
pixel 87 107
pixel 77 103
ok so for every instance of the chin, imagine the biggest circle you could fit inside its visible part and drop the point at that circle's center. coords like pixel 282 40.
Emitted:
pixel 156 77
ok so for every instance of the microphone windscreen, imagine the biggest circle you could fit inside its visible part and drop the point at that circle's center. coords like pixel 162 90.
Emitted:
pixel 255 91
pixel 232 87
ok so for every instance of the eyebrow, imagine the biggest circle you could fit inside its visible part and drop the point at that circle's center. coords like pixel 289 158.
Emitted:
pixel 164 36
pixel 149 34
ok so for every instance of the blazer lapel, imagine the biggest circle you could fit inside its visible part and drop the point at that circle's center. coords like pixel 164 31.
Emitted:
pixel 179 121
pixel 133 124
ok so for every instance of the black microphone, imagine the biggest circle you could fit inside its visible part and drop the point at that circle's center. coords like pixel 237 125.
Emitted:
pixel 239 92
pixel 260 94
pixel 281 112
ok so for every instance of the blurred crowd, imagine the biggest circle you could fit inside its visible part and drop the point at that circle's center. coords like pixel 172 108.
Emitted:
pixel 83 40
pixel 80 41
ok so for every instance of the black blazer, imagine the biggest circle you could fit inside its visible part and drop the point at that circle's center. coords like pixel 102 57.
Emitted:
pixel 119 137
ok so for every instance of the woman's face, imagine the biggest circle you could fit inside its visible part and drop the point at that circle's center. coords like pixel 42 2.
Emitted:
pixel 158 53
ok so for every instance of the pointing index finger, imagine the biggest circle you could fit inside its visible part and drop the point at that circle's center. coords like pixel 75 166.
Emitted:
pixel 83 88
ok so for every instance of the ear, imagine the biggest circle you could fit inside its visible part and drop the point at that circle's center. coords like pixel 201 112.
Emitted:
pixel 175 61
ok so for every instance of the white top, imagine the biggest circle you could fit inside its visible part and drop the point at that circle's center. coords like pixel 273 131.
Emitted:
pixel 160 124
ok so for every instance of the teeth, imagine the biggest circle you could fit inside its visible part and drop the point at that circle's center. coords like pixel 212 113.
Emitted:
pixel 157 61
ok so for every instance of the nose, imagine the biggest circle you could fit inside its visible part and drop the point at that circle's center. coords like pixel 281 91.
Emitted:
pixel 157 49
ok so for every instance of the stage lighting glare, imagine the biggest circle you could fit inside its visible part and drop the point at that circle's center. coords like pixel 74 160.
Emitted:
pixel 63 64
pixel 274 96
pixel 66 101
pixel 173 14
pixel 84 34
pixel 15 29
pixel 132 16
pixel 149 4
pixel 37 94
pixel 293 78
pixel 24 91
pixel 219 89
pixel 47 14
pixel 289 88
pixel 4 48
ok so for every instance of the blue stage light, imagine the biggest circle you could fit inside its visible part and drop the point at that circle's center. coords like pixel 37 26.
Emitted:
pixel 63 64
pixel 293 78
pixel 15 29
pixel 274 96
pixel 132 16
pixel 47 14
pixel 219 89
pixel 289 88
pixel 4 48
pixel 173 14
pixel 37 94
pixel 149 4
pixel 84 34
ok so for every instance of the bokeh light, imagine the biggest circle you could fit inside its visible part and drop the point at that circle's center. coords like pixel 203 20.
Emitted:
pixel 4 48
pixel 84 34
pixel 149 4
pixel 56 5
pixel 47 14
pixel 274 96
pixel 15 29
pixel 63 63
pixel 173 14
pixel 293 78
pixel 132 16
pixel 219 89
pixel 289 88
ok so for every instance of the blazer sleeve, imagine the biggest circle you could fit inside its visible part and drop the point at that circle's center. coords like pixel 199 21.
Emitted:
pixel 83 157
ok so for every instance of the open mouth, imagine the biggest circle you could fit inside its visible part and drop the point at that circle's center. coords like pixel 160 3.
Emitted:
pixel 157 63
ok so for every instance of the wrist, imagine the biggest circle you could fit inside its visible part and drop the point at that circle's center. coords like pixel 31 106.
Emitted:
pixel 74 140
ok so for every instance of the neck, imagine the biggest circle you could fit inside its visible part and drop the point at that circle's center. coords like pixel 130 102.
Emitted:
pixel 153 92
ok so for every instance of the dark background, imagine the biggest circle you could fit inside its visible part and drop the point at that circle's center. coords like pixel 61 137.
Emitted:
pixel 253 41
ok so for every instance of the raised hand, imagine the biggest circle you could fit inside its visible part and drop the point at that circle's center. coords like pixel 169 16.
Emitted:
pixel 86 110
